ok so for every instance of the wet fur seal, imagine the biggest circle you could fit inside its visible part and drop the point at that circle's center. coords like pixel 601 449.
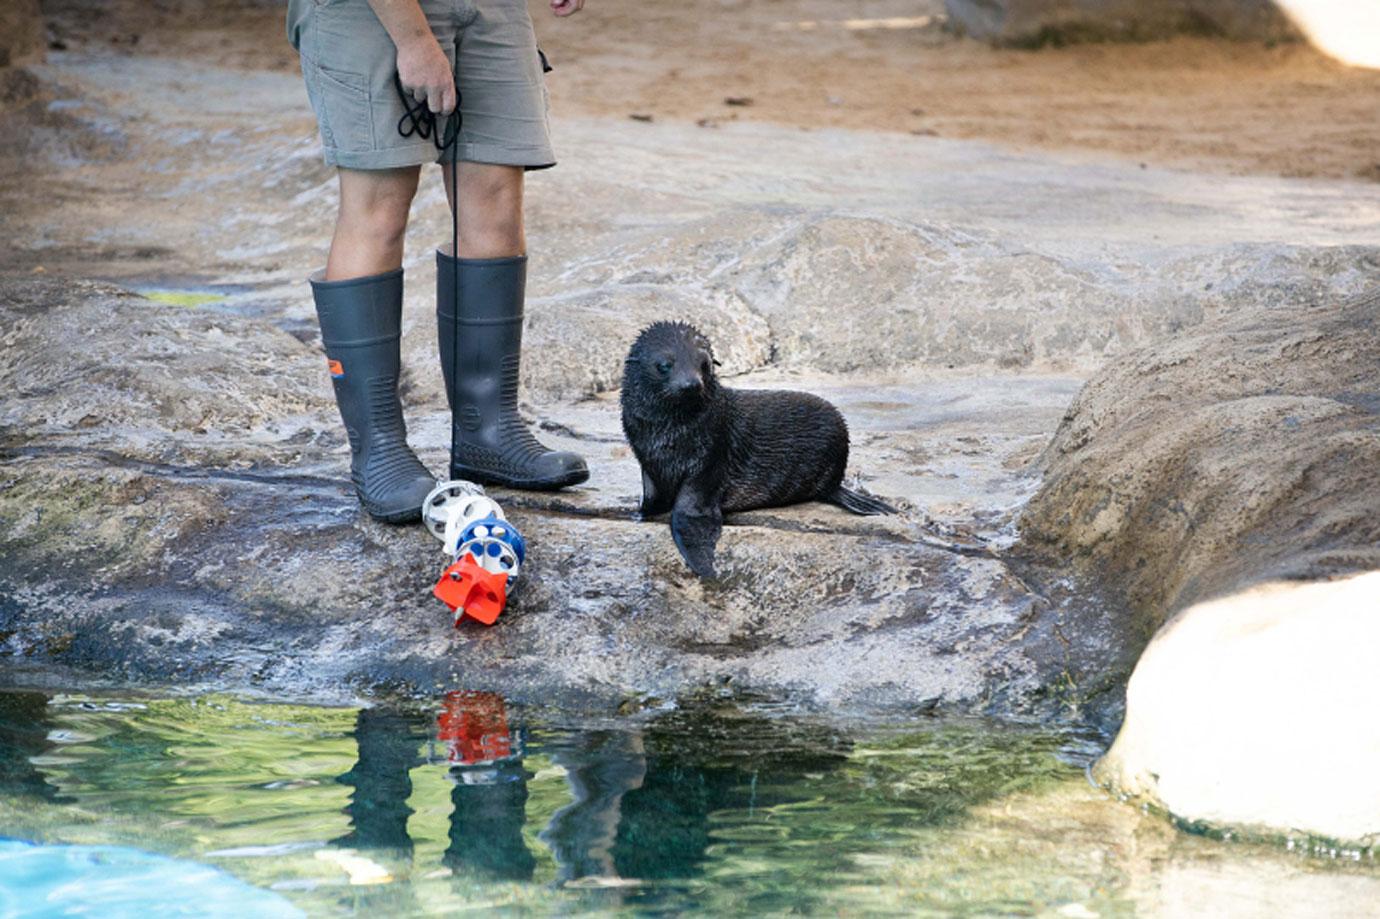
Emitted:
pixel 706 449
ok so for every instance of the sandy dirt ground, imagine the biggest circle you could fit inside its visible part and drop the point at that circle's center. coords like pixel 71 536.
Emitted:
pixel 886 65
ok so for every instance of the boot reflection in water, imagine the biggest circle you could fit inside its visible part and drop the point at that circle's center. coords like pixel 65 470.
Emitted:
pixel 490 795
pixel 24 727
pixel 389 743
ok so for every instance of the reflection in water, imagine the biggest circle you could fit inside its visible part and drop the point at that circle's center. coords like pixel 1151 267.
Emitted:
pixel 389 742
pixel 490 794
pixel 486 826
pixel 24 728
pixel 640 803
pixel 696 766
pixel 602 767
pixel 396 811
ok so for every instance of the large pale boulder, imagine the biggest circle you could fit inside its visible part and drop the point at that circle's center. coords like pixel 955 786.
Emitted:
pixel 1257 711
pixel 1186 475
pixel 1344 30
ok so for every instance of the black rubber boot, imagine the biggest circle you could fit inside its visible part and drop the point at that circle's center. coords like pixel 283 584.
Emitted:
pixel 481 343
pixel 361 326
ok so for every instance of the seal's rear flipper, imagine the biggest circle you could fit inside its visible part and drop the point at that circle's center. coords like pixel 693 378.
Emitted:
pixel 696 535
pixel 859 503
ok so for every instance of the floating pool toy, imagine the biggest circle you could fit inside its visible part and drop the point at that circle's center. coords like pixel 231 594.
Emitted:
pixel 486 551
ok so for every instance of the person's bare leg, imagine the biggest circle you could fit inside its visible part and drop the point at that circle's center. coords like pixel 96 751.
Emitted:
pixel 490 210
pixel 372 221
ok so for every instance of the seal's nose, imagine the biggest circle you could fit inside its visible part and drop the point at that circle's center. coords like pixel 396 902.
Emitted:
pixel 686 384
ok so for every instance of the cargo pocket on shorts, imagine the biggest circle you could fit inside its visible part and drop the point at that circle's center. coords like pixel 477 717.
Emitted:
pixel 345 109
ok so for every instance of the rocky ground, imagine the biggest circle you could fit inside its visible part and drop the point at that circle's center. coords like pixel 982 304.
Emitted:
pixel 174 503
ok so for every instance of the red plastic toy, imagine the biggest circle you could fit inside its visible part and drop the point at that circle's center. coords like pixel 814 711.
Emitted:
pixel 471 591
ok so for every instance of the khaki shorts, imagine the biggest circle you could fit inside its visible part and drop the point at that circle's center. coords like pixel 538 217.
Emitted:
pixel 348 62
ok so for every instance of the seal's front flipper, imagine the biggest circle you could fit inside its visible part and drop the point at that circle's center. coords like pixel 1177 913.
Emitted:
pixel 696 537
pixel 695 526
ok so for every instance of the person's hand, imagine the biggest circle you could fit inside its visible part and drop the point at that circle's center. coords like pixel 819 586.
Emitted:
pixel 425 74
pixel 566 7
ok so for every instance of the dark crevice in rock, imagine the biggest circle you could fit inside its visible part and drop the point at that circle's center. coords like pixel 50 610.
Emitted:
pixel 555 427
pixel 172 470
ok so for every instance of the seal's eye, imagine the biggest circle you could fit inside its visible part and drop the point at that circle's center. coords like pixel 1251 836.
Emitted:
pixel 663 367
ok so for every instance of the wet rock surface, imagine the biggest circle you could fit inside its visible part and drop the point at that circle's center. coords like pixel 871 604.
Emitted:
pixel 174 503
pixel 180 517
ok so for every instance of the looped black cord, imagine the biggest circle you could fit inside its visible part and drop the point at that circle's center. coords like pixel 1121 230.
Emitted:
pixel 419 121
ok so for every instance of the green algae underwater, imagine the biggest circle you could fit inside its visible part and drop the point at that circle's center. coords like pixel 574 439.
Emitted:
pixel 722 808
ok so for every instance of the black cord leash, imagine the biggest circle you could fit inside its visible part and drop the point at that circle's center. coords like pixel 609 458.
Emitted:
pixel 419 121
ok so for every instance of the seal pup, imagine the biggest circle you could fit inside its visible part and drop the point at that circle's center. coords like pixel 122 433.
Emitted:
pixel 706 449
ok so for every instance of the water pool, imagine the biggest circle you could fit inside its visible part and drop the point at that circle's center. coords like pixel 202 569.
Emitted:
pixel 468 803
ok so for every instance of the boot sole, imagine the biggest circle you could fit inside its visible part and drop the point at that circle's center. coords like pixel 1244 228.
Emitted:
pixel 397 516
pixel 481 477
pixel 406 515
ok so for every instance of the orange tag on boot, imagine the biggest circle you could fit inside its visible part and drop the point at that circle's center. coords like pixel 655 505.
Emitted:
pixel 471 591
